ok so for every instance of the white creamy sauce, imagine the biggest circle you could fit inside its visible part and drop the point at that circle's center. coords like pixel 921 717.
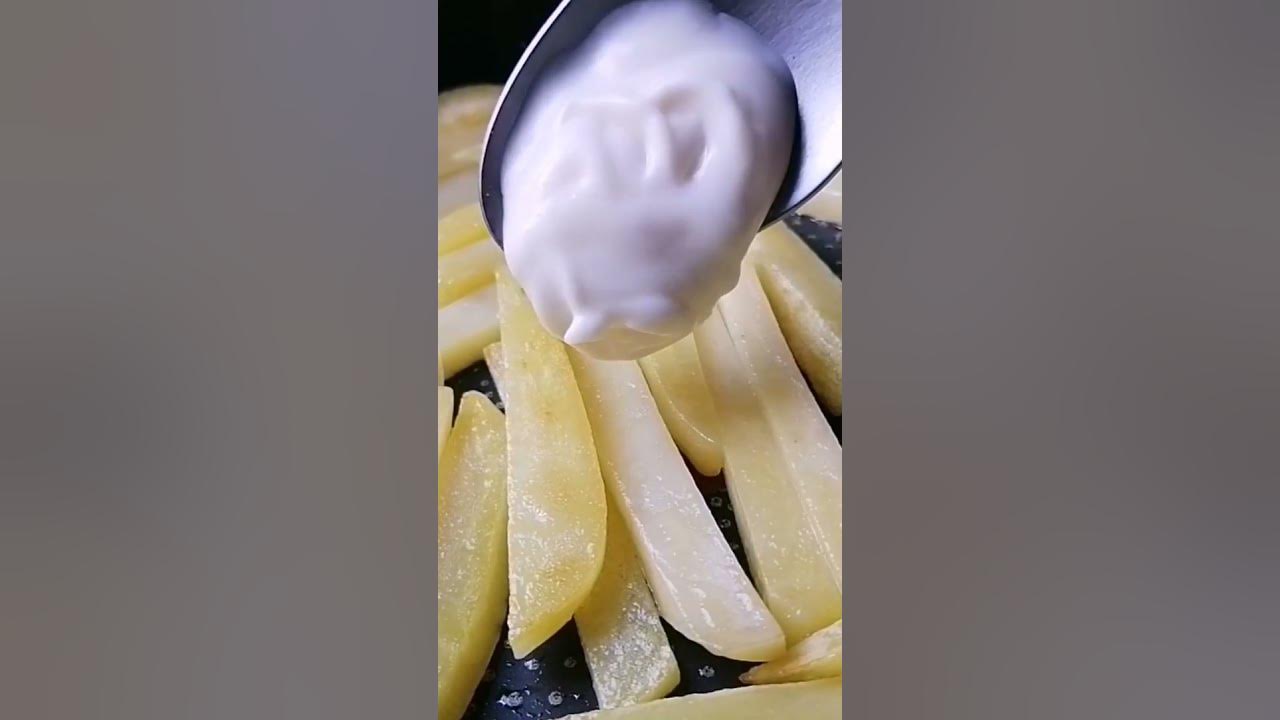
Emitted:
pixel 640 171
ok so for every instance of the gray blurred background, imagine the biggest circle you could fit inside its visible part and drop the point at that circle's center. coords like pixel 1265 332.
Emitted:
pixel 1062 283
pixel 216 360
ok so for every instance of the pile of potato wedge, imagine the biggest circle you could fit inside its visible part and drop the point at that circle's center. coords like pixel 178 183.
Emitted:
pixel 576 503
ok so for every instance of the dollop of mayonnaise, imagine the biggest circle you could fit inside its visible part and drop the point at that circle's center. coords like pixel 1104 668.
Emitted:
pixel 639 171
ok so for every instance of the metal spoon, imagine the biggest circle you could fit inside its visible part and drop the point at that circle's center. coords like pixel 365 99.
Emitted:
pixel 806 33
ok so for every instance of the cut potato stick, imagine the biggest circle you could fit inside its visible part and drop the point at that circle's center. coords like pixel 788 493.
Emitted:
pixel 457 190
pixel 805 296
pixel 808 444
pixel 472 551
pixel 557 514
pixel 497 367
pixel 466 269
pixel 461 227
pixel 675 379
pixel 470 105
pixel 697 582
pixel 466 326
pixel 817 700
pixel 463 119
pixel 626 648
pixel 817 656
pixel 787 563
pixel 444 417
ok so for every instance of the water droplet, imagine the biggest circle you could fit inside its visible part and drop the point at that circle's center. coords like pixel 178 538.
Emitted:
pixel 511 699
pixel 726 523
pixel 706 671
pixel 571 662
pixel 554 698
pixel 716 502
pixel 531 664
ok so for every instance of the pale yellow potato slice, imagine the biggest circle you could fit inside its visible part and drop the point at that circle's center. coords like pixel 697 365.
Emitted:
pixel 675 379
pixel 626 648
pixel 461 227
pixel 806 298
pixel 458 190
pixel 472 551
pixel 497 367
pixel 809 446
pixel 465 326
pixel 787 563
pixel 463 120
pixel 627 651
pixel 469 105
pixel 817 656
pixel 466 269
pixel 557 514
pixel 444 418
pixel 697 582
pixel 816 700
pixel 828 204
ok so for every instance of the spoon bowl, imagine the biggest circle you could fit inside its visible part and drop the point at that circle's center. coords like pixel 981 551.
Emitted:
pixel 806 33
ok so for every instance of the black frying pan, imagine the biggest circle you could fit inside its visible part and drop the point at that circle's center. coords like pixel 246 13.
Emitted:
pixel 480 41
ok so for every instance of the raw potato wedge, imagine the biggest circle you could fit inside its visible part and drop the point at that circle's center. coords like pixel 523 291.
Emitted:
pixel 497 367
pixel 468 106
pixel 466 269
pixel 817 700
pixel 466 326
pixel 556 513
pixel 456 191
pixel 626 648
pixel 678 386
pixel 472 551
pixel 787 563
pixel 627 651
pixel 697 582
pixel 809 446
pixel 805 296
pixel 444 417
pixel 462 121
pixel 816 657
pixel 461 227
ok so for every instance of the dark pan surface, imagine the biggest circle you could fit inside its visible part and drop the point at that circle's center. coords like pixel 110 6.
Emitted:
pixel 480 41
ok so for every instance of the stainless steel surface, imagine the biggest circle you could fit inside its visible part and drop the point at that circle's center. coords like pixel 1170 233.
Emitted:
pixel 806 33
